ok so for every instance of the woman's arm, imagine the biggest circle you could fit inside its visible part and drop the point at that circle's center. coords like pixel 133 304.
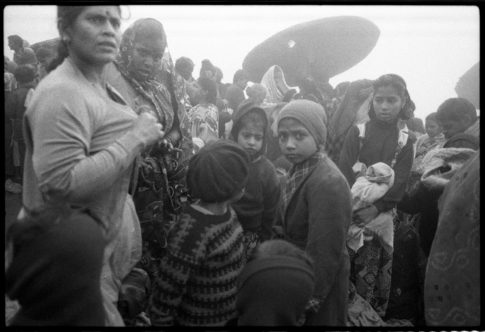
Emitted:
pixel 349 154
pixel 62 128
pixel 402 169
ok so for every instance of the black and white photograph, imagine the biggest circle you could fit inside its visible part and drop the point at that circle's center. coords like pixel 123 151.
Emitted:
pixel 265 165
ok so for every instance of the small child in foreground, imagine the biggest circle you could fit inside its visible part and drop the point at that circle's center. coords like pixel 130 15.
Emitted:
pixel 204 254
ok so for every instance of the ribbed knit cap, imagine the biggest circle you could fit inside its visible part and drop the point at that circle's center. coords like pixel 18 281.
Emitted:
pixel 218 171
pixel 310 114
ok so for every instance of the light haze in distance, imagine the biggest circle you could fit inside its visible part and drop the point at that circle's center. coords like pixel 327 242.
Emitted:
pixel 431 47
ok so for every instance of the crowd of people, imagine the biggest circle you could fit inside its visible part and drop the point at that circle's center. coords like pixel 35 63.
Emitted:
pixel 151 198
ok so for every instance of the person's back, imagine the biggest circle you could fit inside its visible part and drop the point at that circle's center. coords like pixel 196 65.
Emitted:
pixel 204 251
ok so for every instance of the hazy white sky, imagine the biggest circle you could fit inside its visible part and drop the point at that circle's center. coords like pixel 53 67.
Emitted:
pixel 429 46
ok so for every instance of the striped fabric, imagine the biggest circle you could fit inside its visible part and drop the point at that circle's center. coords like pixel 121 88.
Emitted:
pixel 197 283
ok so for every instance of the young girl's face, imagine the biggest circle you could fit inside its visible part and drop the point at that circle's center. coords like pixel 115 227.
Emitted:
pixel 296 142
pixel 432 128
pixel 250 137
pixel 387 103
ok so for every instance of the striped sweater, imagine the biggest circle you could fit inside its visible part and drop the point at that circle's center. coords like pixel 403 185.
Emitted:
pixel 197 276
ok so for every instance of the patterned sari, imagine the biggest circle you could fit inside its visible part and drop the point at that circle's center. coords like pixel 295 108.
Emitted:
pixel 158 185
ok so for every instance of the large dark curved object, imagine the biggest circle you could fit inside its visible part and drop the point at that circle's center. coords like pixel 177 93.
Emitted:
pixel 50 44
pixel 321 49
pixel 468 85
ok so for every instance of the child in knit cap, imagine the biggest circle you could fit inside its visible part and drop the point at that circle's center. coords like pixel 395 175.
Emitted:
pixel 275 286
pixel 256 209
pixel 196 282
pixel 316 208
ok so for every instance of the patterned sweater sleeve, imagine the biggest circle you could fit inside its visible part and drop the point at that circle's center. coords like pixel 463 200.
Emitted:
pixel 185 253
pixel 168 289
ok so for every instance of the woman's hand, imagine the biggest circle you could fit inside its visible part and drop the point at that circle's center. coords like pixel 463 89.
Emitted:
pixel 148 129
pixel 365 215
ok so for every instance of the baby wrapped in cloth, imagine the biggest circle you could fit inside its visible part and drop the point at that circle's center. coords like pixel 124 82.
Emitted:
pixel 371 185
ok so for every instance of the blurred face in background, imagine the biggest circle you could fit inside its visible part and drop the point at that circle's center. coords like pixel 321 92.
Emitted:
pixel 146 57
pixel 432 128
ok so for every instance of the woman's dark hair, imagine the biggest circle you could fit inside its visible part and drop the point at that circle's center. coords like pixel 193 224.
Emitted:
pixel 240 74
pixel 184 64
pixel 211 87
pixel 16 40
pixel 456 109
pixel 219 75
pixel 66 15
pixel 432 117
pixel 416 125
pixel 25 73
pixel 207 66
pixel 398 83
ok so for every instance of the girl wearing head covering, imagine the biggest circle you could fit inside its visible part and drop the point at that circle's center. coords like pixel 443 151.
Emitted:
pixel 278 93
pixel 143 74
pixel 384 139
pixel 256 209
pixel 204 252
pixel 316 209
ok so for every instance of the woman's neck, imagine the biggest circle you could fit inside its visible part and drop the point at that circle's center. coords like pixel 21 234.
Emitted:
pixel 93 73
pixel 382 123
pixel 213 208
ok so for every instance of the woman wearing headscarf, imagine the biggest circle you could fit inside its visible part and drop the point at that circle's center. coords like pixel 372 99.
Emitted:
pixel 277 95
pixel 384 139
pixel 275 83
pixel 143 74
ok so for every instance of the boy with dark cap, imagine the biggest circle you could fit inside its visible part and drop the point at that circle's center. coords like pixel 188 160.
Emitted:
pixel 275 286
pixel 204 254
pixel 316 209
pixel 256 209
